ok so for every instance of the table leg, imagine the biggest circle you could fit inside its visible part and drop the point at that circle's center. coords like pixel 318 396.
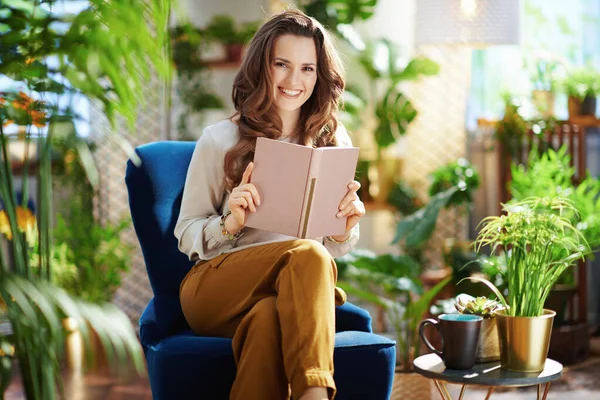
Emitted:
pixel 448 396
pixel 438 385
pixel 489 393
pixel 546 391
pixel 539 391
pixel 462 392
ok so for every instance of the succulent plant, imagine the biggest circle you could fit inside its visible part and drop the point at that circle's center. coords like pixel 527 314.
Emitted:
pixel 466 304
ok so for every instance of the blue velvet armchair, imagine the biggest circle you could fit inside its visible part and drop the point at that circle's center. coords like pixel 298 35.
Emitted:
pixel 184 366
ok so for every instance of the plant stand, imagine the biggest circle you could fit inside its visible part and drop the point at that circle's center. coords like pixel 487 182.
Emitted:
pixel 485 374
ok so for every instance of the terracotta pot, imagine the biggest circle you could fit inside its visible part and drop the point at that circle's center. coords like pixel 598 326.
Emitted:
pixel 234 52
pixel 578 107
pixel 488 347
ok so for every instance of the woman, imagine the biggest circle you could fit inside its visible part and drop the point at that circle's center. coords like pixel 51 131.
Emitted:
pixel 273 294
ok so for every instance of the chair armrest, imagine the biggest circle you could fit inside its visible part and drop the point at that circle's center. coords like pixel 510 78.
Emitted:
pixel 150 331
pixel 349 317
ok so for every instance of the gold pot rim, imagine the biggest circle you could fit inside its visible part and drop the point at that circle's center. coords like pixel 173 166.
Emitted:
pixel 547 314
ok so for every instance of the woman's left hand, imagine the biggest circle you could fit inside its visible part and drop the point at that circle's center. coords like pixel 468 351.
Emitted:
pixel 352 208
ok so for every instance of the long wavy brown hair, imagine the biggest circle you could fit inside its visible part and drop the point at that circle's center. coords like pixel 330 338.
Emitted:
pixel 253 92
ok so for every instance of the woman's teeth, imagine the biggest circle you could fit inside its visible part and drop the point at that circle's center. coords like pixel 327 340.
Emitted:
pixel 292 93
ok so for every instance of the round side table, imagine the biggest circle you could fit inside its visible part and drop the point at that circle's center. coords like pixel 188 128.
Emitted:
pixel 485 374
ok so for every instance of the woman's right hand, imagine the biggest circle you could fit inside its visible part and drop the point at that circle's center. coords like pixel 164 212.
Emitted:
pixel 242 197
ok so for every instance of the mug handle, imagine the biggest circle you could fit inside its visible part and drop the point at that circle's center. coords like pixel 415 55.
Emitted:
pixel 424 339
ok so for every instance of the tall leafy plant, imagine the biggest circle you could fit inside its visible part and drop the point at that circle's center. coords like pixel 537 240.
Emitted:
pixel 53 51
pixel 540 243
pixel 392 282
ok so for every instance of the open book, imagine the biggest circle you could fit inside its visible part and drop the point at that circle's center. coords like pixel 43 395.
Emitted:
pixel 301 188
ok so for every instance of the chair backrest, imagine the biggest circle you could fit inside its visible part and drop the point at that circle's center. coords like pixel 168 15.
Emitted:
pixel 155 190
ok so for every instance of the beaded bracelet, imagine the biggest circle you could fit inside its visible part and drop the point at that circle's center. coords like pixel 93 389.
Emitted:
pixel 350 236
pixel 224 230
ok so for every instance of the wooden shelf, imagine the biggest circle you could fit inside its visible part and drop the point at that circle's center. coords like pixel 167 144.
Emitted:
pixel 585 120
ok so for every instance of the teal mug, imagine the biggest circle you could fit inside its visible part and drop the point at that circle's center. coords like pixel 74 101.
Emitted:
pixel 460 334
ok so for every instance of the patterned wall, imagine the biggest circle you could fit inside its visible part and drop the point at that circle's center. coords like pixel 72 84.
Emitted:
pixel 112 201
pixel 437 136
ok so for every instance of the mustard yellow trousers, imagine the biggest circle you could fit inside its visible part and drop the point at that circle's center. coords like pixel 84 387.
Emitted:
pixel 277 302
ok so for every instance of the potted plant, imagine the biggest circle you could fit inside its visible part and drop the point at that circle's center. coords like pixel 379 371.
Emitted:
pixel 544 68
pixel 582 85
pixel 552 174
pixel 223 28
pixel 52 54
pixel 539 244
pixel 393 283
pixel 488 347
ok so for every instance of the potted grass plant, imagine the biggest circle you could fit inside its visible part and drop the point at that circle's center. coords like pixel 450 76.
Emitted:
pixel 488 347
pixel 540 242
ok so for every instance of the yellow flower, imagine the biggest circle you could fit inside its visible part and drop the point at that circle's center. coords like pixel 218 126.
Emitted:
pixel 25 221
pixel 4 225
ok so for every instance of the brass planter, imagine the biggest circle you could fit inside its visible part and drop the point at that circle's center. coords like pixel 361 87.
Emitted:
pixel 524 341
pixel 488 347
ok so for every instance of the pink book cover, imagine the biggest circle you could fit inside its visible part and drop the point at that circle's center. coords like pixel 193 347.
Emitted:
pixel 301 188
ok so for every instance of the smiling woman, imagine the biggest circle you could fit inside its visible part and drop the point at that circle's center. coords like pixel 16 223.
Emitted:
pixel 273 294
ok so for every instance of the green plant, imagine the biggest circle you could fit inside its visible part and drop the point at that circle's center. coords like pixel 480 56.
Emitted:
pixel 392 282
pixel 404 198
pixel 338 15
pixel 224 29
pixel 512 128
pixel 193 76
pixel 453 185
pixel 581 82
pixel 551 174
pixel 105 51
pixel 482 306
pixel 540 243
pixel 460 174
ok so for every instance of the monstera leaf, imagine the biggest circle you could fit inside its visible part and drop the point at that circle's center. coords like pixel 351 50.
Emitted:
pixel 394 113
pixel 418 227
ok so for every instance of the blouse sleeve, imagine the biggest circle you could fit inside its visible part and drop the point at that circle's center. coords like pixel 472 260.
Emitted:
pixel 340 249
pixel 198 228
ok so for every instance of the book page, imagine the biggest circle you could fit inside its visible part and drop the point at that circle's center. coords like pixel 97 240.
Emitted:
pixel 280 171
pixel 336 169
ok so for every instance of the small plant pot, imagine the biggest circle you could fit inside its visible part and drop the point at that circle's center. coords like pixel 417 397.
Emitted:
pixel 234 52
pixel 578 107
pixel 544 102
pixel 524 341
pixel 488 347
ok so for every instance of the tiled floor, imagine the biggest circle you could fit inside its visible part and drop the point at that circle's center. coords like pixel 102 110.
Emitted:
pixel 579 382
pixel 94 387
